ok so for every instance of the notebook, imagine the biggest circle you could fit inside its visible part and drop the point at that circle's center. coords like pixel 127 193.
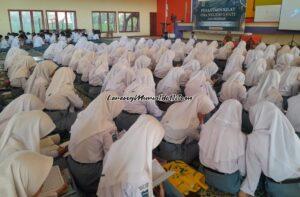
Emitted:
pixel 53 182
pixel 159 174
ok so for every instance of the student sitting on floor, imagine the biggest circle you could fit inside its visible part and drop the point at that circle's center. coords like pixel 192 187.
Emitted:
pixel 283 63
pixel 23 173
pixel 234 64
pixel 98 70
pixel 143 86
pixel 225 51
pixel 10 56
pixel 164 64
pixel 91 137
pixel 255 70
pixel 222 148
pixel 24 131
pixel 4 46
pixel 40 79
pixel 20 70
pixel 61 99
pixel 272 150
pixel 25 102
pixel 234 88
pixel 192 66
pixel 141 62
pixel 293 112
pixel 128 174
pixel 38 43
pixel 266 89
pixel 181 123
pixel 170 84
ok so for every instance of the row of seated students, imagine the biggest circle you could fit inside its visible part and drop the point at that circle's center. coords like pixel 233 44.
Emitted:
pixel 228 162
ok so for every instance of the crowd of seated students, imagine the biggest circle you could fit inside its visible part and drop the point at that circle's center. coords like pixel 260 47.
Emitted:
pixel 240 124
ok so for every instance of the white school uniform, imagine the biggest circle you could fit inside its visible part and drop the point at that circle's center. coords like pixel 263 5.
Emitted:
pixel 91 134
pixel 99 70
pixel 192 66
pixel 10 56
pixel 290 82
pixel 293 112
pixel 225 51
pixel 164 64
pixel 271 147
pixel 222 144
pixel 4 44
pixel 24 131
pixel 234 64
pixel 23 173
pixel 61 94
pixel 38 41
pixel 15 43
pixel 127 174
pixel 255 70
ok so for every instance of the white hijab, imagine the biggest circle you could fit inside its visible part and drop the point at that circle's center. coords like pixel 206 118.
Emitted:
pixel 77 55
pixel 290 81
pixel 225 51
pixel 293 112
pixel 170 84
pixel 21 67
pixel 142 62
pixel 231 84
pixel 63 78
pixel 96 118
pixel 252 56
pixel 284 144
pixel 221 137
pixel 23 173
pixel 268 82
pixel 210 69
pixel 122 167
pixel 43 70
pixel 27 128
pixel 190 67
pixel 164 64
pixel 99 71
pixel 262 46
pixel 255 71
pixel 284 62
pixel 234 64
pixel 11 54
pixel 182 117
pixel 25 102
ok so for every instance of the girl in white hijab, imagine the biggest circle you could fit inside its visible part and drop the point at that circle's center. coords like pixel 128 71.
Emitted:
pixel 142 86
pixel 179 48
pixel 266 89
pixel 65 55
pixel 272 149
pixel 284 50
pixel 127 169
pixel 77 55
pixel 255 71
pixel 234 88
pixel 222 148
pixel 234 64
pixel 24 131
pixel 190 67
pixel 118 78
pixel 53 50
pixel 23 174
pixel 170 84
pixel 225 51
pixel 262 46
pixel 200 83
pixel 270 54
pixel 91 137
pixel 189 46
pixel 99 70
pixel 181 123
pixel 61 99
pixel 293 112
pixel 295 51
pixel 40 79
pixel 164 64
pixel 25 102
pixel 141 62
pixel 241 47
pixel 20 71
pixel 284 62
pixel 252 56
pixel 11 54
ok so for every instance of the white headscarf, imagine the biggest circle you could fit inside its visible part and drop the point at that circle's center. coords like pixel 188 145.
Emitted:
pixel 142 62
pixel 63 78
pixel 262 46
pixel 190 67
pixel 252 56
pixel 123 168
pixel 221 137
pixel 164 64
pixel 210 69
pixel 283 62
pixel 96 118
pixel 189 46
pixel 284 50
pixel 23 173
pixel 255 71
pixel 224 52
pixel 21 67
pixel 43 70
pixel 268 120
pixel 182 117
pixel 77 55
pixel 25 102
pixel 295 51
pixel 234 64
pixel 290 82
pixel 99 70
pixel 170 84
pixel 267 83
pixel 11 54
pixel 293 112
pixel 230 87
pixel 27 128
pixel 86 62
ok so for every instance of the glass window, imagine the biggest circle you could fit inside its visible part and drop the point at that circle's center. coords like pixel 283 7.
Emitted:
pixel 51 20
pixel 105 21
pixel 26 20
pixel 62 23
pixel 95 20
pixel 15 21
pixel 37 21
pixel 71 20
pixel 129 21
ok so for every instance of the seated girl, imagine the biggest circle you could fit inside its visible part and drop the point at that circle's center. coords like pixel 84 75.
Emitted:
pixel 91 138
pixel 181 123
pixel 222 148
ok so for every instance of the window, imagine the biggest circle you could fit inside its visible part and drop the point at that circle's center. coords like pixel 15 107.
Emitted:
pixel 26 20
pixel 61 20
pixel 104 21
pixel 129 21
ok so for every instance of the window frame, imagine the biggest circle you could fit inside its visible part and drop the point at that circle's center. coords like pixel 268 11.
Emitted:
pixel 56 19
pixel 99 20
pixel 124 13
pixel 21 20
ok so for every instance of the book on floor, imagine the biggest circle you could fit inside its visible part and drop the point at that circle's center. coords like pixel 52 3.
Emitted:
pixel 159 174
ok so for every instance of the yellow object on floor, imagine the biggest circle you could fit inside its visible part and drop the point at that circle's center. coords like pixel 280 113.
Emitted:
pixel 185 179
